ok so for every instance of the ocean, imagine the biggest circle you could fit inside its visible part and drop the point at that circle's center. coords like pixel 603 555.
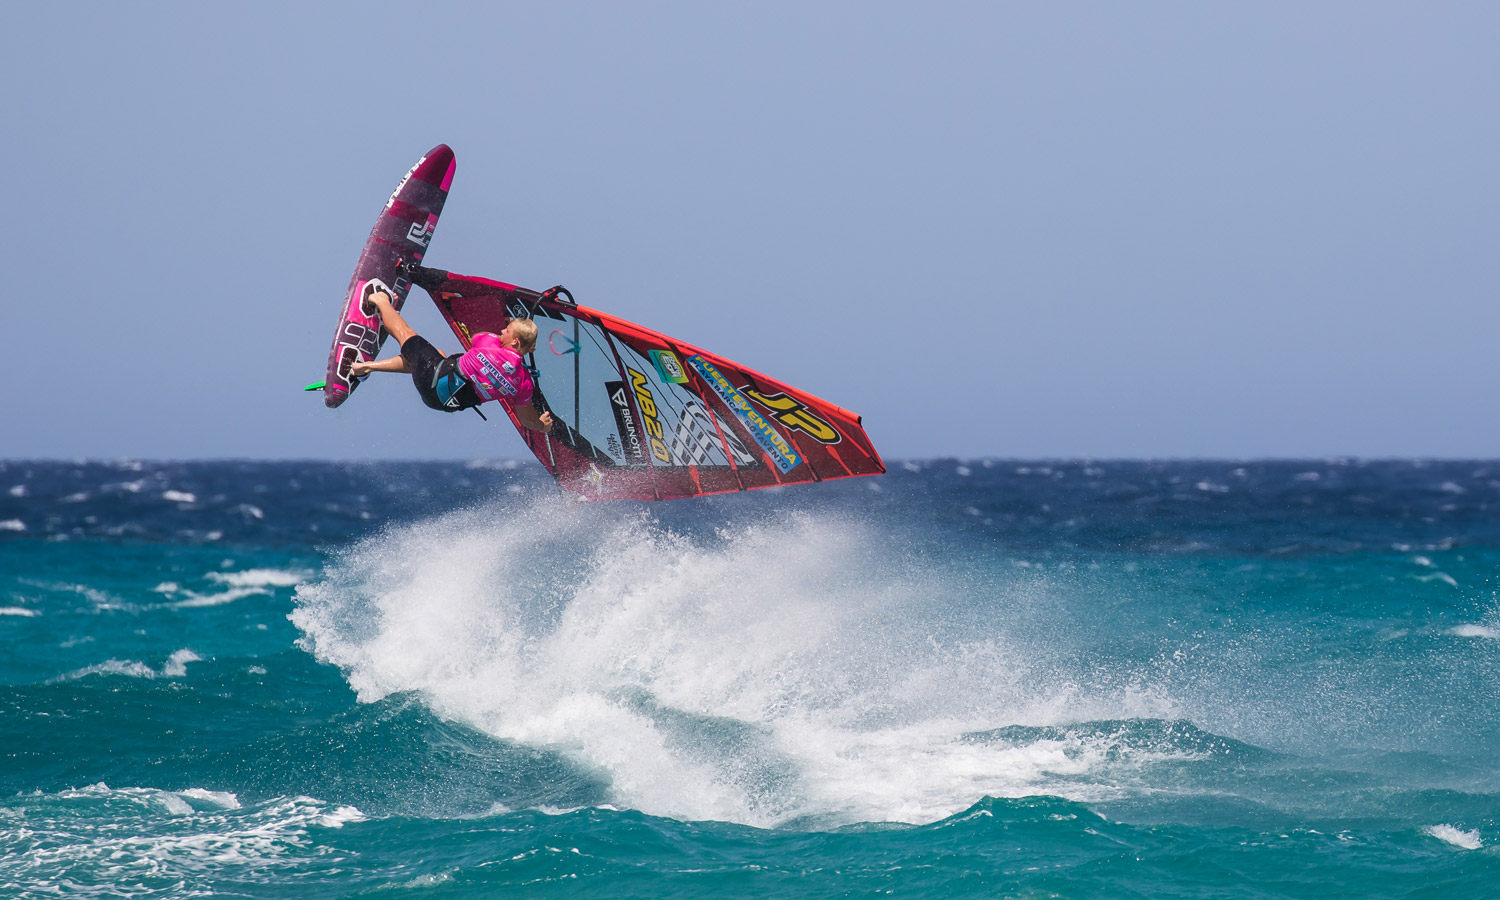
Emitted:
pixel 966 678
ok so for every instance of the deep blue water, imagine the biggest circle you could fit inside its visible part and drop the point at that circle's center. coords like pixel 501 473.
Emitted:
pixel 963 679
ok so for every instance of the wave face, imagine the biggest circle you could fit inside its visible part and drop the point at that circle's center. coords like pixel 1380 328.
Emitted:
pixel 968 678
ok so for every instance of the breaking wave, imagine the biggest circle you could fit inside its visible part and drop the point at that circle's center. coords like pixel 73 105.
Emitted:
pixel 791 669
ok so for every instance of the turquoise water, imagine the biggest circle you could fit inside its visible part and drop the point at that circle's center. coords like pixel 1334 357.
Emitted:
pixel 963 679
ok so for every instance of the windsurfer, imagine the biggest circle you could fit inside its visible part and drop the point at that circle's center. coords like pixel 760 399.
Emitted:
pixel 491 369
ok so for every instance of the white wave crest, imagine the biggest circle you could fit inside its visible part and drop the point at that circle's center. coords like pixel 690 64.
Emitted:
pixel 127 487
pixel 222 799
pixel 198 600
pixel 260 578
pixel 1475 631
pixel 790 668
pixel 249 583
pixel 17 611
pixel 1466 840
pixel 127 667
pixel 1444 577
pixel 174 667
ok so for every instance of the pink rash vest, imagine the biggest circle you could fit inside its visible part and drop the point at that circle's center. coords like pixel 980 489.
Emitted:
pixel 496 372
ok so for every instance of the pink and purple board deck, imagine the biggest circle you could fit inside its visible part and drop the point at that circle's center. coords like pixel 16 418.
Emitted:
pixel 400 236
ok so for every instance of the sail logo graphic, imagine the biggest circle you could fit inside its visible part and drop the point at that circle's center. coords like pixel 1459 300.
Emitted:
pixel 630 435
pixel 668 367
pixel 650 414
pixel 768 437
pixel 696 441
pixel 795 415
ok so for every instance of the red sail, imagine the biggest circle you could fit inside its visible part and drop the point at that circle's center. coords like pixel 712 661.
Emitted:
pixel 641 416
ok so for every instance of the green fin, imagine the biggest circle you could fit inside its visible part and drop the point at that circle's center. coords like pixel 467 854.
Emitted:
pixel 315 387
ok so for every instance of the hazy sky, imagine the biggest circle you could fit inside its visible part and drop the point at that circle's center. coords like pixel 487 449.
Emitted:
pixel 1147 229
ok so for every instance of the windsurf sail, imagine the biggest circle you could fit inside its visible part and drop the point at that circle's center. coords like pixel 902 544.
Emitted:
pixel 639 415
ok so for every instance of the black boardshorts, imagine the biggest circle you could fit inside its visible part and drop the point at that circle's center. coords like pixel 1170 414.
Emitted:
pixel 437 378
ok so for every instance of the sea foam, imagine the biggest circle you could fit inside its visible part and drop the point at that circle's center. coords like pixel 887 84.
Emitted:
pixel 130 841
pixel 791 668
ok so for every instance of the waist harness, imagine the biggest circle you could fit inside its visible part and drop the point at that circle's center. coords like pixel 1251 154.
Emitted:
pixel 452 389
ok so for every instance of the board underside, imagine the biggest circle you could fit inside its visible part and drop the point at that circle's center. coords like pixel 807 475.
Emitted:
pixel 401 236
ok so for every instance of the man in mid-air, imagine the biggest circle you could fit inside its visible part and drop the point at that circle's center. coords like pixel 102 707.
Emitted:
pixel 491 369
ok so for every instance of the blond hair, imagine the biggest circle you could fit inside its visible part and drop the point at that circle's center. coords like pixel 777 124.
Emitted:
pixel 525 332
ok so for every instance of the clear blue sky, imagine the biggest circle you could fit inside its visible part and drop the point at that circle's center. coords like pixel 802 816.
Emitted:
pixel 1154 229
